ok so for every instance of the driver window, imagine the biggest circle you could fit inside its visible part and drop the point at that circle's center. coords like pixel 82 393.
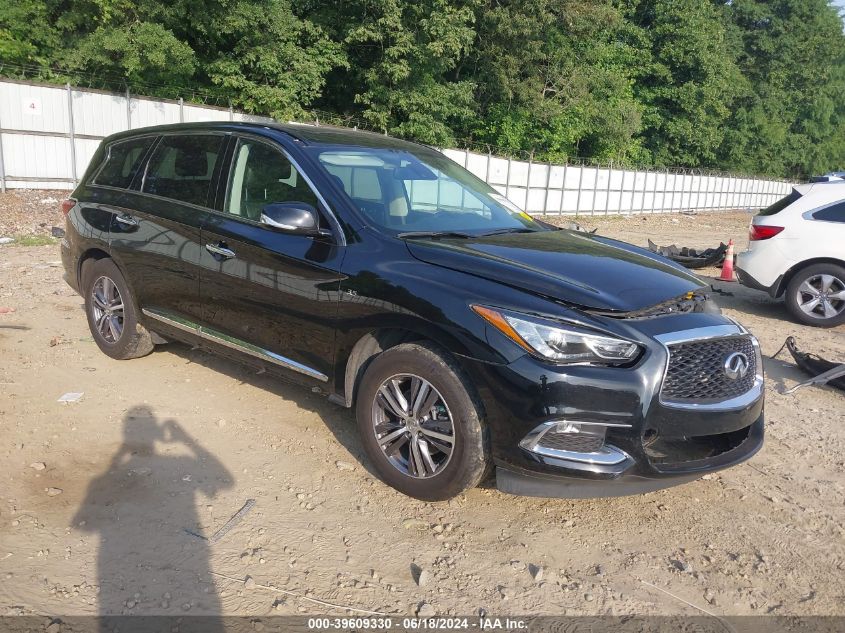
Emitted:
pixel 261 175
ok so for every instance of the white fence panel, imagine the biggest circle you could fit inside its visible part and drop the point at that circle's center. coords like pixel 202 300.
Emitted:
pixel 48 134
pixel 97 114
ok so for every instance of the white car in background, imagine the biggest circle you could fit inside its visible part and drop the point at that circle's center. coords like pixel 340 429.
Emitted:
pixel 797 250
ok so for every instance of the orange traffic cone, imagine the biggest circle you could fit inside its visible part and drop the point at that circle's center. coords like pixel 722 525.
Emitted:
pixel 728 266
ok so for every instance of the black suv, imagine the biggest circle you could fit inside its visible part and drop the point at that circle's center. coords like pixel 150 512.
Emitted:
pixel 465 333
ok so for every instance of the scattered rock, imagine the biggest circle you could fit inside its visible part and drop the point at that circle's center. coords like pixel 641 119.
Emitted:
pixel 423 578
pixel 344 465
pixel 682 565
pixel 6 240
pixel 425 610
pixel 536 572
pixel 415 524
pixel 589 597
pixel 52 492
pixel 38 465
pixel 53 627
pixel 249 582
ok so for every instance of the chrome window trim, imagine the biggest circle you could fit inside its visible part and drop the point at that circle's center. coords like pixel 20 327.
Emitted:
pixel 231 342
pixel 337 230
pixel 713 332
pixel 92 182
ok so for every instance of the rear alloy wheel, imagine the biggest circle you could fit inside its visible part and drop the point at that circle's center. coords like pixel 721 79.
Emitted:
pixel 420 426
pixel 816 295
pixel 112 316
pixel 107 305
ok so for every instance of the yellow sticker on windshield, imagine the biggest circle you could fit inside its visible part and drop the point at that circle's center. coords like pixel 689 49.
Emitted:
pixel 525 215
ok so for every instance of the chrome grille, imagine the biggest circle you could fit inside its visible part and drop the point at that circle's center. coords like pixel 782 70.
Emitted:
pixel 696 371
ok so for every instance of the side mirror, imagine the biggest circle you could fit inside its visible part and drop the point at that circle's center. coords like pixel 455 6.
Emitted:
pixel 293 217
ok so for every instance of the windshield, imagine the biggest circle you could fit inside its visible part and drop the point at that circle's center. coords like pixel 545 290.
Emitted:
pixel 421 192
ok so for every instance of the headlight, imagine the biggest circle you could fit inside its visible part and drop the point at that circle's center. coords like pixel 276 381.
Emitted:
pixel 560 342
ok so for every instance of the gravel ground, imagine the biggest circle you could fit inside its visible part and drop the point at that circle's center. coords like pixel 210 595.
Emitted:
pixel 101 499
pixel 30 212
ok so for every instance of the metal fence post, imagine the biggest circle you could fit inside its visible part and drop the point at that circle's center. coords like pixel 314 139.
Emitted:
pixel 645 186
pixel 528 180
pixel 580 182
pixel 562 187
pixel 607 193
pixel 508 180
pixel 622 191
pixel 181 110
pixel 71 134
pixel 548 183
pixel 2 164
pixel 487 167
pixel 128 109
pixel 595 189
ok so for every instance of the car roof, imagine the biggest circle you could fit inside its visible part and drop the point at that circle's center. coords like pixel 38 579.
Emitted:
pixel 305 133
pixel 830 187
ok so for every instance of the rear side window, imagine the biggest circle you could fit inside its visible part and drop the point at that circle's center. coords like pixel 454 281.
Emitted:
pixel 181 167
pixel 781 204
pixel 833 213
pixel 123 162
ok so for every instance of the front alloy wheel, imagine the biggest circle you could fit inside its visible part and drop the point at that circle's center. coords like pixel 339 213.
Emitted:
pixel 421 423
pixel 413 426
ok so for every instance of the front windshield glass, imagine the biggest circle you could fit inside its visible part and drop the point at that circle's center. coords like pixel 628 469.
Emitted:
pixel 421 192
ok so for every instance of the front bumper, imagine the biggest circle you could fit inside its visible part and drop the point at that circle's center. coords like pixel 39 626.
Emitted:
pixel 628 481
pixel 656 444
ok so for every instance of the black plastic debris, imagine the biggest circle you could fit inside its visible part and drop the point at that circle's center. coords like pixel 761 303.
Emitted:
pixel 691 257
pixel 823 372
pixel 571 226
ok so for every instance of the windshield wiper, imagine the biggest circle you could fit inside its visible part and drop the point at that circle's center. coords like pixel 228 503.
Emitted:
pixel 515 229
pixel 432 234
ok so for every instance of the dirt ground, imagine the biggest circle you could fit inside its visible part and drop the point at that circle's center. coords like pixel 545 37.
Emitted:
pixel 175 443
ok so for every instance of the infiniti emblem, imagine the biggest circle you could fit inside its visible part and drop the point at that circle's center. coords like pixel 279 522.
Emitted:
pixel 736 365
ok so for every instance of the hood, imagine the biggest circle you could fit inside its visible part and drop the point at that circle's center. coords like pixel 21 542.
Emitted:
pixel 576 268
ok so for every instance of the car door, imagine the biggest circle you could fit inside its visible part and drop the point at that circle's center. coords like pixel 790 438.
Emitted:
pixel 156 235
pixel 266 292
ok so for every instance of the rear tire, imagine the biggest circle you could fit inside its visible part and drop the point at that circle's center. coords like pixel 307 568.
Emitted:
pixel 112 314
pixel 445 430
pixel 814 290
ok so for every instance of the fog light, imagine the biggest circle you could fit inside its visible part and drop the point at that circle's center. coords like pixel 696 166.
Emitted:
pixel 572 440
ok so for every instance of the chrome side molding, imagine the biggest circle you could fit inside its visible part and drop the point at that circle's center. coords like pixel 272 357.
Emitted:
pixel 231 342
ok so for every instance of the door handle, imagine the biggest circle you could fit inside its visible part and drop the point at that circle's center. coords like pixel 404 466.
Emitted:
pixel 220 250
pixel 126 219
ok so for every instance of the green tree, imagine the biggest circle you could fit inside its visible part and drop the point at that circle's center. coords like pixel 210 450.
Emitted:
pixel 690 82
pixel 26 33
pixel 556 77
pixel 792 120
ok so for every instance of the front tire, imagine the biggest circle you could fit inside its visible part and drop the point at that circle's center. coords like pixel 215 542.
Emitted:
pixel 112 314
pixel 816 295
pixel 420 426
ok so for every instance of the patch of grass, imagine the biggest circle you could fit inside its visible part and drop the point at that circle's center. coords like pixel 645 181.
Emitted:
pixel 34 240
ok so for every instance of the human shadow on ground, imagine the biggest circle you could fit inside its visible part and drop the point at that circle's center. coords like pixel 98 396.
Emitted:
pixel 143 508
